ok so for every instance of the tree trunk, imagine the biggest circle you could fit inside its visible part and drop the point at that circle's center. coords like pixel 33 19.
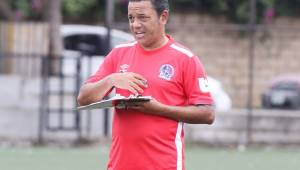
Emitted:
pixel 6 11
pixel 55 40
pixel 54 27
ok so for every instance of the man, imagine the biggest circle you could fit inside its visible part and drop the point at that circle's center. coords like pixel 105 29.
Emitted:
pixel 149 135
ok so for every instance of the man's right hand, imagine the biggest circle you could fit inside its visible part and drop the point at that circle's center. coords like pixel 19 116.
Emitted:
pixel 129 81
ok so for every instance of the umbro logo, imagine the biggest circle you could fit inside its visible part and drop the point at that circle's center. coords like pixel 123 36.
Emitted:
pixel 124 68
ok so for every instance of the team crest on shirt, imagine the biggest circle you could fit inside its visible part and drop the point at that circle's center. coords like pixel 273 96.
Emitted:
pixel 124 68
pixel 166 71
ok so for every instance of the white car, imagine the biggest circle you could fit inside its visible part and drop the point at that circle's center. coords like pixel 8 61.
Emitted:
pixel 88 43
pixel 90 40
pixel 223 102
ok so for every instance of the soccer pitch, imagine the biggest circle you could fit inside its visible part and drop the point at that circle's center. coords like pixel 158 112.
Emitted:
pixel 95 158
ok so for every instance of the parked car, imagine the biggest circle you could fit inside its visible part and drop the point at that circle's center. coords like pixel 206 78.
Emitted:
pixel 90 40
pixel 223 102
pixel 89 43
pixel 283 92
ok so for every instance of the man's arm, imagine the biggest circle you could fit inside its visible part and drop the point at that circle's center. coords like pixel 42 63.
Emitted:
pixel 93 92
pixel 201 114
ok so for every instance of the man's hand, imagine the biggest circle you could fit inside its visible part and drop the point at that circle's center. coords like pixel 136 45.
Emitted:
pixel 129 81
pixel 152 106
pixel 188 114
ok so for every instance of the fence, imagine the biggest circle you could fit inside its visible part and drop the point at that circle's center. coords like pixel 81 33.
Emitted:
pixel 245 58
pixel 46 103
pixel 44 88
pixel 22 40
pixel 232 55
pixel 225 53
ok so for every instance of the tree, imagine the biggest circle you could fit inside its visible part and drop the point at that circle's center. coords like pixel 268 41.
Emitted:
pixel 54 20
pixel 6 11
pixel 92 11
pixel 55 40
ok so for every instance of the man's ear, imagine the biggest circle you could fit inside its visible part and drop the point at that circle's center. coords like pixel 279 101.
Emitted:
pixel 164 16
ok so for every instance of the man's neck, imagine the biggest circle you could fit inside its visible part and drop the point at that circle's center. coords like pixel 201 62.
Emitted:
pixel 163 41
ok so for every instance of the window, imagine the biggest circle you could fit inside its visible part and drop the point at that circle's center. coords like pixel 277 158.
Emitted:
pixel 91 44
pixel 286 85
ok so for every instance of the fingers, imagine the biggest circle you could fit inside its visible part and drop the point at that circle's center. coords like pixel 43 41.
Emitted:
pixel 137 82
pixel 141 83
pixel 133 82
pixel 136 88
pixel 140 80
pixel 138 76
pixel 134 106
pixel 132 90
pixel 142 106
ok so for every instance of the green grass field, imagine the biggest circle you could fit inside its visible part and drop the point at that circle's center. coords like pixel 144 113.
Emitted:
pixel 196 159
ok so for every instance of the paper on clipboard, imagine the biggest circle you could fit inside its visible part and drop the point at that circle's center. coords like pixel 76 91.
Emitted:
pixel 116 101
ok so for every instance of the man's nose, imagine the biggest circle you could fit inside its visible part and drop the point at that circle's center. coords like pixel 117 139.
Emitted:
pixel 136 23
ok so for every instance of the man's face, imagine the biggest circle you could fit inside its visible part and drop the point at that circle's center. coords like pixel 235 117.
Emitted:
pixel 145 24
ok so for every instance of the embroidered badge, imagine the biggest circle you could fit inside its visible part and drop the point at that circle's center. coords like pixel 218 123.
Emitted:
pixel 124 68
pixel 166 71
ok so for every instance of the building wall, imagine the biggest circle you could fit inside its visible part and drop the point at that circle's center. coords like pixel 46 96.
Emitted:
pixel 225 52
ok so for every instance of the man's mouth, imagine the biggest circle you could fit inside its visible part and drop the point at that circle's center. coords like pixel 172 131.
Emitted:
pixel 139 34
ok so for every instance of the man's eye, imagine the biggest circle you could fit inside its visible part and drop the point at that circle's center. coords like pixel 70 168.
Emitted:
pixel 143 18
pixel 130 18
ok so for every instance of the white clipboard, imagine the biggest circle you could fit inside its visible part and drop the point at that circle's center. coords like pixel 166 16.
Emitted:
pixel 116 101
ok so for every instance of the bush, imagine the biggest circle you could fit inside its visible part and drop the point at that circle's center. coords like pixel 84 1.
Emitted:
pixel 94 10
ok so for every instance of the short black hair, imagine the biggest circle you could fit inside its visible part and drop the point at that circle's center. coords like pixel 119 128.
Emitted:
pixel 159 5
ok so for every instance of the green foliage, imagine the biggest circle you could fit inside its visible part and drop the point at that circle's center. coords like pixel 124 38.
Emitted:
pixel 80 9
pixel 288 8
pixel 238 11
pixel 23 9
pixel 94 10
pixel 77 7
pixel 23 6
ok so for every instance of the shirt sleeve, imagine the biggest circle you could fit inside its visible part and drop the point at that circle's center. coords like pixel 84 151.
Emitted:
pixel 106 68
pixel 196 83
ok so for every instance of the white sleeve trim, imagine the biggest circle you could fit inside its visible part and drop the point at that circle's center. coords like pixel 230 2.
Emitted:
pixel 179 143
pixel 126 45
pixel 182 50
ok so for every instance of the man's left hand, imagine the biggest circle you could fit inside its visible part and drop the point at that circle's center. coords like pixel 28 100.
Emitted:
pixel 152 106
